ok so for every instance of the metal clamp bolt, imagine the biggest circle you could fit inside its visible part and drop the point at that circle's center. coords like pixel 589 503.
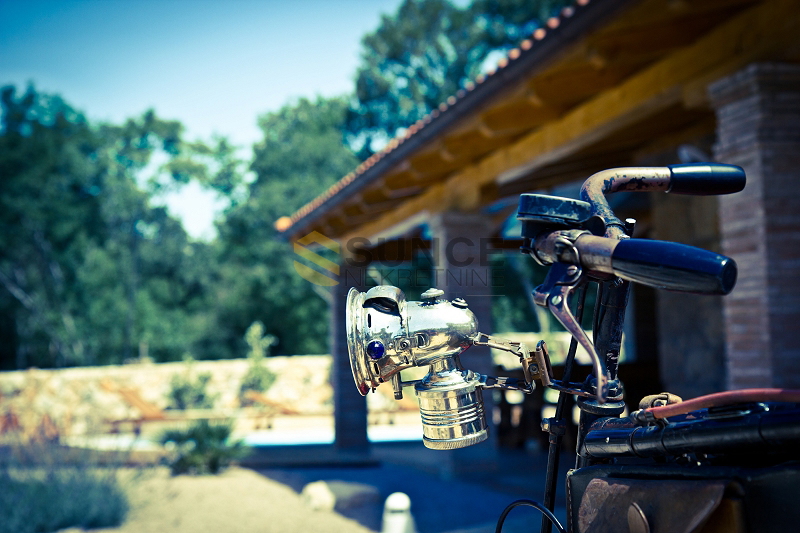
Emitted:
pixel 553 426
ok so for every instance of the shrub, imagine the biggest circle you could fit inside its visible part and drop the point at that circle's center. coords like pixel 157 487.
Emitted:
pixel 187 392
pixel 258 377
pixel 204 448
pixel 50 495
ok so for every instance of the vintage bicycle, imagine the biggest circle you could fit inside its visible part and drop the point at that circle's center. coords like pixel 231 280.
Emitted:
pixel 724 462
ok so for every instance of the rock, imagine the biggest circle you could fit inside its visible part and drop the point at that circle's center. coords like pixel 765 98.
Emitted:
pixel 338 495
pixel 318 496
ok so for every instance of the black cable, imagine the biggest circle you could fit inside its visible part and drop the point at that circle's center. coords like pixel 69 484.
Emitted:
pixel 536 505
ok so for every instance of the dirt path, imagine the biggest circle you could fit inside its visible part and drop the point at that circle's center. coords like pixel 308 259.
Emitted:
pixel 238 500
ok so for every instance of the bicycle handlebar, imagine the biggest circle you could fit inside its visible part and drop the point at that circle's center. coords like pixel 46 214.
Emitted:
pixel 673 266
pixel 659 264
pixel 692 178
pixel 705 179
pixel 586 233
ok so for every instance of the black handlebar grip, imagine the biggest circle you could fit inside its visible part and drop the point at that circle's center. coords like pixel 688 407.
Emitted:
pixel 705 179
pixel 673 266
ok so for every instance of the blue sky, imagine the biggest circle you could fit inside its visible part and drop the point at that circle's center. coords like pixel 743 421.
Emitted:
pixel 214 65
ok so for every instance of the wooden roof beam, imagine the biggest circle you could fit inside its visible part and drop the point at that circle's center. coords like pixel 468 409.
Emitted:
pixel 385 224
pixel 401 192
pixel 733 44
pixel 380 198
pixel 403 168
pixel 433 162
pixel 652 12
pixel 702 128
pixel 375 201
pixel 517 117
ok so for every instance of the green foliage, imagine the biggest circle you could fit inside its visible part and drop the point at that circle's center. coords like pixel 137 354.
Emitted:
pixel 190 392
pixel 204 448
pixel 90 272
pixel 258 377
pixel 59 499
pixel 94 271
pixel 301 154
pixel 47 210
pixel 426 53
pixel 44 488
pixel 258 342
pixel 412 62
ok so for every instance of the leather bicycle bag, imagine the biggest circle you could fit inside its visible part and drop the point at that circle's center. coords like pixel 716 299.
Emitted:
pixel 674 499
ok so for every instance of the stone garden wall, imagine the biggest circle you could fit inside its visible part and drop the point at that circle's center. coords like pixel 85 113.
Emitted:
pixel 48 404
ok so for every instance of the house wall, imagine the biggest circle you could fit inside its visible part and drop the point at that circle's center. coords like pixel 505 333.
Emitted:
pixel 691 335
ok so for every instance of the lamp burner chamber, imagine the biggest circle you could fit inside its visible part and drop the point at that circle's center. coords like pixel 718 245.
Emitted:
pixel 451 407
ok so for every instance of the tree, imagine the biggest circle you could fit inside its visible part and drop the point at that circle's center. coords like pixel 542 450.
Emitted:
pixel 425 53
pixel 89 271
pixel 302 153
pixel 49 207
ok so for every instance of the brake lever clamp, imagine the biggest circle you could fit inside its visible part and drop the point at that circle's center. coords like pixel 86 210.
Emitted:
pixel 533 367
pixel 553 294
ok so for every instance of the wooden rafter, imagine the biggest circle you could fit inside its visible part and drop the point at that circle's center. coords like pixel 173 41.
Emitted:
pixel 765 31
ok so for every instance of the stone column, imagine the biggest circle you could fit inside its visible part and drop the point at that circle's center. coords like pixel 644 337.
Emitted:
pixel 462 271
pixel 460 241
pixel 349 407
pixel 758 128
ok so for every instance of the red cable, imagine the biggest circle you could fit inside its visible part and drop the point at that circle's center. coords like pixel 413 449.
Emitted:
pixel 726 398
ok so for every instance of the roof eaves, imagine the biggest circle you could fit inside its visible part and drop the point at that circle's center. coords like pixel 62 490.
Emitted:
pixel 532 53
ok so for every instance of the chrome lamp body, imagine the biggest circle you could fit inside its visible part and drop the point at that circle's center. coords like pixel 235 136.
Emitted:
pixel 387 334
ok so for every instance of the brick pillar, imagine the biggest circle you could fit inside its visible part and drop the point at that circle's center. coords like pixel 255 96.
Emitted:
pixel 349 407
pixel 691 332
pixel 758 128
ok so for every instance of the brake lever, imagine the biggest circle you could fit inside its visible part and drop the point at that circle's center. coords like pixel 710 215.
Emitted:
pixel 534 366
pixel 553 294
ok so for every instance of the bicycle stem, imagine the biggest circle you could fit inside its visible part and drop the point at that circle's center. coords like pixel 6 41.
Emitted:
pixel 611 304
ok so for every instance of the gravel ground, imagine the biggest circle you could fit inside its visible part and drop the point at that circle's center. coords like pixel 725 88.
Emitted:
pixel 238 500
pixel 438 506
pixel 268 500
pixel 469 502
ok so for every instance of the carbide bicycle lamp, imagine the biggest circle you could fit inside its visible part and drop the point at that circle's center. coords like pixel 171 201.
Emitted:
pixel 387 334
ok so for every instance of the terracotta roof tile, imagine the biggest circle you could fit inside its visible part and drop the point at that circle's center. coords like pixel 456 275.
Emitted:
pixel 526 45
